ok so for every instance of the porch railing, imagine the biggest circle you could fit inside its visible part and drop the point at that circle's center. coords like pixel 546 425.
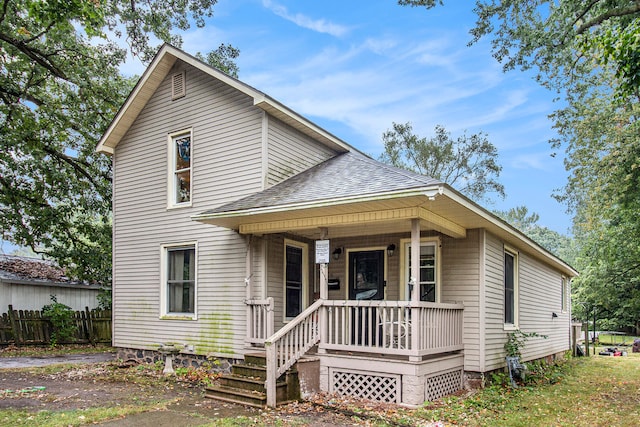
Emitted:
pixel 401 328
pixel 260 320
pixel 393 327
pixel 289 344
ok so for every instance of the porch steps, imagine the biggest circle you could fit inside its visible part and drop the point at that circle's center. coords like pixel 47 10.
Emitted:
pixel 245 384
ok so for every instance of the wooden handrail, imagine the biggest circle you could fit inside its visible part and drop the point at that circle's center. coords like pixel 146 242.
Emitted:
pixel 289 344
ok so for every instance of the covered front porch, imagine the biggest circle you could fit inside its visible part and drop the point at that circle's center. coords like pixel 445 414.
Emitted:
pixel 377 307
pixel 378 317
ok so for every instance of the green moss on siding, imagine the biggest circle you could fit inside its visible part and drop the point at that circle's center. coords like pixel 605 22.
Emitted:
pixel 216 334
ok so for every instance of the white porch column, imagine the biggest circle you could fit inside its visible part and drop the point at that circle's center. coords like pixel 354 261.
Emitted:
pixel 247 284
pixel 414 274
pixel 415 279
pixel 324 294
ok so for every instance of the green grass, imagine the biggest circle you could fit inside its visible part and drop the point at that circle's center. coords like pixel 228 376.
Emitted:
pixel 595 391
pixel 13 417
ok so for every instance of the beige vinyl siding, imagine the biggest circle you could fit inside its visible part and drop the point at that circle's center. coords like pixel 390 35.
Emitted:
pixel 461 283
pixel 539 295
pixel 226 162
pixel 291 152
pixel 495 334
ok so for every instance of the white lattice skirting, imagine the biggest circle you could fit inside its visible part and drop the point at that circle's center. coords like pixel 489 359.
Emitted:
pixel 443 384
pixel 381 388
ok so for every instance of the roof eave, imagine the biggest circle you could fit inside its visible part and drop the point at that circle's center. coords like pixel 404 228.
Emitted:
pixel 422 191
pixel 496 223
pixel 160 67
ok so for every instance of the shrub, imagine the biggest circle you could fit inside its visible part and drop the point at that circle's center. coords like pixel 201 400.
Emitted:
pixel 61 318
pixel 516 341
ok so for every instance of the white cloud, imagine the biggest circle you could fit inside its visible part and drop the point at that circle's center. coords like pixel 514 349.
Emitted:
pixel 539 161
pixel 317 25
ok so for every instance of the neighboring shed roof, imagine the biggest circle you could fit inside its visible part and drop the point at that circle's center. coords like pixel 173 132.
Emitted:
pixel 345 175
pixel 27 270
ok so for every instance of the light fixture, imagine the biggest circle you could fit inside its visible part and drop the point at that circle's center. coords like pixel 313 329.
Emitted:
pixel 554 315
pixel 391 249
pixel 336 253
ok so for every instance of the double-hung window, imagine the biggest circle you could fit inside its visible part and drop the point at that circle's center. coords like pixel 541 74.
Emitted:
pixel 428 270
pixel 180 170
pixel 510 288
pixel 179 280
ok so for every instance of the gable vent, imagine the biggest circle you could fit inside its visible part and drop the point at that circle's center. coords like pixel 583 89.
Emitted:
pixel 178 86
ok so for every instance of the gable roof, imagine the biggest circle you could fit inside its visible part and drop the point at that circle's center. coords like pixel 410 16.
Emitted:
pixel 160 68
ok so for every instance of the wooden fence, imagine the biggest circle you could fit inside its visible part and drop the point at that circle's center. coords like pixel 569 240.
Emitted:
pixel 29 327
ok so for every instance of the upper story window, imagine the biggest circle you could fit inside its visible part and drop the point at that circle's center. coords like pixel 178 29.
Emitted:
pixel 510 288
pixel 180 149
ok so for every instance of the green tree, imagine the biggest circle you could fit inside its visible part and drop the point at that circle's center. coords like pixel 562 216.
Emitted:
pixel 60 86
pixel 589 52
pixel 562 40
pixel 556 243
pixel 468 163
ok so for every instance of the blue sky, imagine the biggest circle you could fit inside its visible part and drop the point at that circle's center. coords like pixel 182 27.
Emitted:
pixel 354 67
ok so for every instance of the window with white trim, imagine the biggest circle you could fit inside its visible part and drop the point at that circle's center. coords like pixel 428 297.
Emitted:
pixel 510 288
pixel 178 295
pixel 180 150
pixel 428 276
pixel 295 278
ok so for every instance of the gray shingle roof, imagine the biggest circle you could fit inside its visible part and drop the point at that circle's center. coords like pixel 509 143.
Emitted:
pixel 345 175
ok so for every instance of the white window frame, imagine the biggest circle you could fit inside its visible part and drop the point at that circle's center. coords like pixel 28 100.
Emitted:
pixel 164 297
pixel 305 276
pixel 171 169
pixel 405 244
pixel 516 288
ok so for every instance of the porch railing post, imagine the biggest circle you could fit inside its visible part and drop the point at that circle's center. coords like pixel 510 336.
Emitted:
pixel 270 318
pixel 272 373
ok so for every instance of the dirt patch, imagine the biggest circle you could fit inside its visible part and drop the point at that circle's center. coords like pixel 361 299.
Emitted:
pixel 178 402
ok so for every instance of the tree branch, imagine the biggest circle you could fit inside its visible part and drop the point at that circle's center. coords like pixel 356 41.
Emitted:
pixel 621 11
pixel 37 56
pixel 74 163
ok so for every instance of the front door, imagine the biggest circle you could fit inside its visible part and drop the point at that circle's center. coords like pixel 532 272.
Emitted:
pixel 366 275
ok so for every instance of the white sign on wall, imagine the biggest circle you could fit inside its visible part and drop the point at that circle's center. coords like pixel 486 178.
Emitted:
pixel 322 251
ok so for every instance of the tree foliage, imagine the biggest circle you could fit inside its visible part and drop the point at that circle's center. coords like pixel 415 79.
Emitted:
pixel 60 86
pixel 556 243
pixel 589 52
pixel 468 163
